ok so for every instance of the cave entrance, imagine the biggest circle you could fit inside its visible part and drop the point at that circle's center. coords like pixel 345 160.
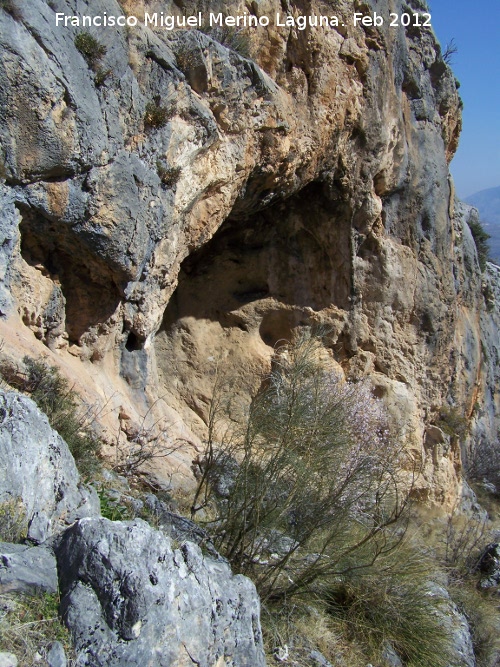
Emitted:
pixel 247 289
pixel 79 290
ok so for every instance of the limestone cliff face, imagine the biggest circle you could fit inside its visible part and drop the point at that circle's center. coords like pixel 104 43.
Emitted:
pixel 306 185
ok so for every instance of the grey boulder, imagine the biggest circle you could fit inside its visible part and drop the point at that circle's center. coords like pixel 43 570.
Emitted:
pixel 130 598
pixel 489 566
pixel 25 569
pixel 56 656
pixel 38 470
pixel 8 660
pixel 457 628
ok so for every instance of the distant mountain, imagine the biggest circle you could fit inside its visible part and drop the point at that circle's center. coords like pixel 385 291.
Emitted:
pixel 488 204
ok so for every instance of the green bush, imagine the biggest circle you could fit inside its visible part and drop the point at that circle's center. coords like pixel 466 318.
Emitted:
pixel 452 422
pixel 168 175
pixel 309 488
pixel 55 398
pixel 90 49
pixel 155 115
pixel 101 76
pixel 481 240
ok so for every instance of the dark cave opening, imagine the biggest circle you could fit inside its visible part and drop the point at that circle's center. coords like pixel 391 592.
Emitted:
pixel 247 289
pixel 90 293
pixel 295 254
pixel 133 343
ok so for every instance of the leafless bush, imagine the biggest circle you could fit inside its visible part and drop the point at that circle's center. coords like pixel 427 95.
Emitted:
pixel 465 535
pixel 449 52
pixel 149 441
pixel 482 463
pixel 312 484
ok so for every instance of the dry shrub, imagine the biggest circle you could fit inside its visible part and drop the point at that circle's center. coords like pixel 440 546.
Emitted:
pixel 310 487
pixel 481 612
pixel 13 520
pixel 148 441
pixel 302 629
pixel 464 537
pixel 482 464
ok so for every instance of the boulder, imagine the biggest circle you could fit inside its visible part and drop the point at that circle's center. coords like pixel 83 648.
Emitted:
pixel 457 628
pixel 56 656
pixel 25 569
pixel 38 470
pixel 8 660
pixel 131 597
pixel 489 566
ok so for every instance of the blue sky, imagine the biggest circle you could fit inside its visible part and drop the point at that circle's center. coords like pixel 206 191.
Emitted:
pixel 475 26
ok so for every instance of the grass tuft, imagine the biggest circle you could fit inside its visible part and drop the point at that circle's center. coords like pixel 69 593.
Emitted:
pixel 393 608
pixel 29 624
pixel 13 521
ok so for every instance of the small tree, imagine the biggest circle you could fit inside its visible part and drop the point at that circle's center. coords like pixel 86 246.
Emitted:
pixel 481 238
pixel 309 487
pixel 450 50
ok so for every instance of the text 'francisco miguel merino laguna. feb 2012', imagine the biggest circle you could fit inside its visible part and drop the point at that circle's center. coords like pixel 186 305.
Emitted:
pixel 198 20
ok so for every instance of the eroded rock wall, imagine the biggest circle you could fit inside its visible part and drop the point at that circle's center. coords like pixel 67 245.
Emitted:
pixel 307 185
